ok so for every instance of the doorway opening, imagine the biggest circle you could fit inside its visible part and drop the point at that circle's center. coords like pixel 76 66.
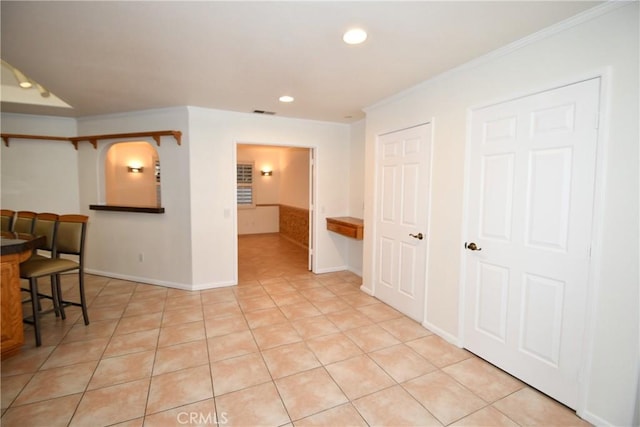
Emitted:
pixel 274 210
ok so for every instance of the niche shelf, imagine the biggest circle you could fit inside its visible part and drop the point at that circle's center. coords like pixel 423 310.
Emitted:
pixel 347 226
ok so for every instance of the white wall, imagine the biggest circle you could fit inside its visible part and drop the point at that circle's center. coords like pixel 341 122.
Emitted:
pixel 267 188
pixel 294 184
pixel 582 49
pixel 193 244
pixel 38 175
pixel 213 137
pixel 289 185
pixel 124 188
pixel 261 219
pixel 116 240
pixel 258 220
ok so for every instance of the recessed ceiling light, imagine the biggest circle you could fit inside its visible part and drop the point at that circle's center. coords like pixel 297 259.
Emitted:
pixel 355 36
pixel 286 98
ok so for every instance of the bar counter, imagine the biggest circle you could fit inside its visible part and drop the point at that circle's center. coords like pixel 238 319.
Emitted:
pixel 16 248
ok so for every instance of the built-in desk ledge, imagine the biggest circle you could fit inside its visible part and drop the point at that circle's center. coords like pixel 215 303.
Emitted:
pixel 347 226
pixel 136 209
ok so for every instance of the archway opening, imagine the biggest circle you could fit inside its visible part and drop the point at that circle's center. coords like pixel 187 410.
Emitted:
pixel 132 175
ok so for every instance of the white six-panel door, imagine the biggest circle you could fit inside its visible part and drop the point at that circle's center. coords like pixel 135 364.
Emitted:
pixel 404 160
pixel 530 205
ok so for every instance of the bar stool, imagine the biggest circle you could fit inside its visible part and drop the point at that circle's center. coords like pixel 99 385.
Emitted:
pixel 45 224
pixel 23 222
pixel 6 217
pixel 70 240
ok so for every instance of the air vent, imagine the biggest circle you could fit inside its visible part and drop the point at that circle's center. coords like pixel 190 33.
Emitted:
pixel 268 113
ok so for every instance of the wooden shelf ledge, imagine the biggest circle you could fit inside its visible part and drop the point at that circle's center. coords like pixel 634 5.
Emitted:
pixel 93 139
pixel 135 209
pixel 347 226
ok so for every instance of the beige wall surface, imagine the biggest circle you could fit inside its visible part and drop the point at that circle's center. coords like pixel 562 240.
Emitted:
pixel 603 44
pixel 40 176
pixel 126 188
pixel 214 136
pixel 288 185
pixel 194 244
pixel 294 184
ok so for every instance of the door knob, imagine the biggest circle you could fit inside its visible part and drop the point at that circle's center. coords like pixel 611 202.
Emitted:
pixel 472 246
pixel 418 236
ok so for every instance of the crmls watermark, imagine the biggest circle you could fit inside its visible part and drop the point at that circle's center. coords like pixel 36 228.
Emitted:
pixel 201 418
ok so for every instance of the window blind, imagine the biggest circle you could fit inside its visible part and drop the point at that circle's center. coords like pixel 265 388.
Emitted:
pixel 245 184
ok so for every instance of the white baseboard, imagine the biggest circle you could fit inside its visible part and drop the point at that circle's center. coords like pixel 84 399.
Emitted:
pixel 204 286
pixel 330 269
pixel 366 290
pixel 593 419
pixel 147 280
pixel 443 334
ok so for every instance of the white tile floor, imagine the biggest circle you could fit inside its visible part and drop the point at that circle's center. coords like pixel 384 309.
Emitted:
pixel 284 347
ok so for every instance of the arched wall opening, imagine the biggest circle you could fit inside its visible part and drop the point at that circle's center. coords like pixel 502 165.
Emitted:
pixel 132 175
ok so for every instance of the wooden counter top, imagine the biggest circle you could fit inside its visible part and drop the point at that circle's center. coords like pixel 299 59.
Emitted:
pixel 14 243
pixel 347 226
pixel 135 209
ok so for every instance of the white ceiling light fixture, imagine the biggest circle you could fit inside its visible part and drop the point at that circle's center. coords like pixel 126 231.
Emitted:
pixel 23 81
pixel 17 88
pixel 355 36
pixel 286 98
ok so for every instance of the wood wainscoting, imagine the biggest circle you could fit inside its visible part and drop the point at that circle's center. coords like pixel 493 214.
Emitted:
pixel 294 224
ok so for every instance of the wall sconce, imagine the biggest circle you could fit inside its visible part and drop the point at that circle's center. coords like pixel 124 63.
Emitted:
pixel 135 169
pixel 266 173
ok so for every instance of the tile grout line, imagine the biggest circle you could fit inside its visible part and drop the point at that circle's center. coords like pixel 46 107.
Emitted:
pixel 153 364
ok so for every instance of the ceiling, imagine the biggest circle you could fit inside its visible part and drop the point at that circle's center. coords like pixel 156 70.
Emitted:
pixel 112 57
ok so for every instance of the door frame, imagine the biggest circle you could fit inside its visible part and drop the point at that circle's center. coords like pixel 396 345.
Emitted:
pixel 313 195
pixel 311 250
pixel 376 212
pixel 597 234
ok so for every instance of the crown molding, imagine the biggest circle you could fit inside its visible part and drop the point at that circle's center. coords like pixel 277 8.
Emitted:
pixel 545 33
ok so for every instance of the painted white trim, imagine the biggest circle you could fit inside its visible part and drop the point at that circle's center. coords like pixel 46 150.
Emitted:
pixel 464 229
pixel 431 122
pixel 547 32
pixel 213 285
pixel 234 216
pixel 442 334
pixel 331 269
pixel 372 229
pixel 313 199
pixel 597 237
pixel 593 419
pixel 311 255
pixel 366 290
pixel 149 281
